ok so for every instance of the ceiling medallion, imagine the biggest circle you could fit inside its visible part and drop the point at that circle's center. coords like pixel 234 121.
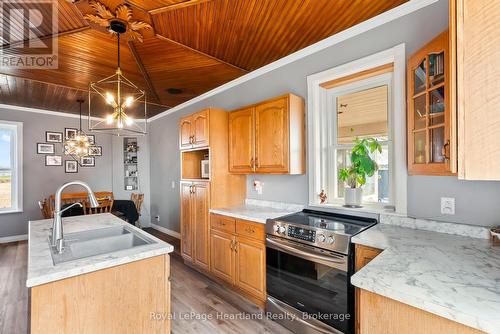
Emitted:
pixel 119 95
pixel 77 147
pixel 119 22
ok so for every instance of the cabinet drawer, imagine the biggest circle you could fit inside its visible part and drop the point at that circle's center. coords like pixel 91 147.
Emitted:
pixel 250 229
pixel 222 223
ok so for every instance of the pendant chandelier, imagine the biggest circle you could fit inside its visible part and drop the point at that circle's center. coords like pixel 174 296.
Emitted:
pixel 122 100
pixel 77 146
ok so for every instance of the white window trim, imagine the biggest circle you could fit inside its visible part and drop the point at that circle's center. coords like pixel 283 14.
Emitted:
pixel 397 123
pixel 17 169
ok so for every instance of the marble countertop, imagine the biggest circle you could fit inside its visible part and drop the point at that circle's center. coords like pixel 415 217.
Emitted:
pixel 258 211
pixel 42 270
pixel 455 277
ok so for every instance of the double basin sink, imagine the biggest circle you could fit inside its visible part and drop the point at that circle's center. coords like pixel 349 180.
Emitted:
pixel 79 245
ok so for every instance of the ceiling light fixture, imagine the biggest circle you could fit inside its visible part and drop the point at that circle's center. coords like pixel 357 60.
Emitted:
pixel 77 147
pixel 120 95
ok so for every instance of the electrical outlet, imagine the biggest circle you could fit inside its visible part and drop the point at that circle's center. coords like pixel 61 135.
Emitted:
pixel 157 219
pixel 257 186
pixel 447 205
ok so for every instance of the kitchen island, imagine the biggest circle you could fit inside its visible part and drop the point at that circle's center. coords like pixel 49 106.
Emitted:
pixel 99 292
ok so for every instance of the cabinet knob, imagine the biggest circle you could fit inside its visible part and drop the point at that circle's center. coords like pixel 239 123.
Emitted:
pixel 444 150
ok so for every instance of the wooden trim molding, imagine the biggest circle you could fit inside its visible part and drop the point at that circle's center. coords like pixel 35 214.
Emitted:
pixel 179 5
pixel 386 68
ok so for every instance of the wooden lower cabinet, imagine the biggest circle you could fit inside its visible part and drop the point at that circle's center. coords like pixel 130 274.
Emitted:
pixel 222 255
pixel 115 300
pixel 195 199
pixel 238 255
pixel 382 315
pixel 363 255
pixel 250 266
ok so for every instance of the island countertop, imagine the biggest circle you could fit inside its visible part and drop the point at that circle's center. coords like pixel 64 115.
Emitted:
pixel 41 268
pixel 455 277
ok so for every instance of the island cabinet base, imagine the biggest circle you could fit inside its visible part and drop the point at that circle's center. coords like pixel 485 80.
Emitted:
pixel 381 315
pixel 129 298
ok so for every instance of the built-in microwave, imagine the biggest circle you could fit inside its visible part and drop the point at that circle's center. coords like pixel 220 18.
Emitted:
pixel 205 169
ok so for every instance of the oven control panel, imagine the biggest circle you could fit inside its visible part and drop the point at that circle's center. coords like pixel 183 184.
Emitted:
pixel 301 233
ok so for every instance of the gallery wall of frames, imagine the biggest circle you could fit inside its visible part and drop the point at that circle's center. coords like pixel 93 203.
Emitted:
pixel 55 155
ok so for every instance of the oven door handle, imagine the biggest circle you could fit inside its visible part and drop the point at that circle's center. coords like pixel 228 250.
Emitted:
pixel 340 264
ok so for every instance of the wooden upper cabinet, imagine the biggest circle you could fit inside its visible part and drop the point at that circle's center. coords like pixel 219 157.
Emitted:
pixel 200 128
pixel 194 130
pixel 185 132
pixel 271 137
pixel 241 141
pixel 431 119
pixel 201 224
pixel 268 137
pixel 475 31
pixel 187 232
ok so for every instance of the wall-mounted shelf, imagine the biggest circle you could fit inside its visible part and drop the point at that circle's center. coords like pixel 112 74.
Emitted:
pixel 130 166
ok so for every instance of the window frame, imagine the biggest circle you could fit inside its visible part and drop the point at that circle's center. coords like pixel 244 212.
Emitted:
pixel 318 100
pixel 330 110
pixel 16 167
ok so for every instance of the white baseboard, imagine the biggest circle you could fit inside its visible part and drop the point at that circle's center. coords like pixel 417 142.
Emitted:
pixel 14 238
pixel 166 231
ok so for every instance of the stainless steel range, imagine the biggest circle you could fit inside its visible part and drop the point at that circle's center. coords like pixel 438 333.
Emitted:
pixel 309 261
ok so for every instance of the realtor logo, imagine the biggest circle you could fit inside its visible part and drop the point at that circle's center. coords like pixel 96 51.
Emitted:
pixel 27 28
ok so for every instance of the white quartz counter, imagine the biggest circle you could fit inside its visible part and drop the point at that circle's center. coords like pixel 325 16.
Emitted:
pixel 42 270
pixel 258 211
pixel 455 277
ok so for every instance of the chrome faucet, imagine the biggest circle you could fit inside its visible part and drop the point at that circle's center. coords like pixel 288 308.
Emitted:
pixel 57 240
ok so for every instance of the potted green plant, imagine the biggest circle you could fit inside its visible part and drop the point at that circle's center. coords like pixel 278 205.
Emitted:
pixel 362 166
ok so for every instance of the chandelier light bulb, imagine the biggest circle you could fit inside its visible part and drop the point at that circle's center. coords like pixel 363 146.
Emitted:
pixel 110 99
pixel 109 119
pixel 128 101
pixel 129 121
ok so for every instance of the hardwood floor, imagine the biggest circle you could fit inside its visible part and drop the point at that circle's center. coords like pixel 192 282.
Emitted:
pixel 199 305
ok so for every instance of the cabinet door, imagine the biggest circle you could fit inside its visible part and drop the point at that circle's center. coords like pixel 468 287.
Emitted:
pixel 241 141
pixel 185 132
pixel 222 255
pixel 271 136
pixel 478 74
pixel 201 227
pixel 187 232
pixel 431 135
pixel 200 130
pixel 250 266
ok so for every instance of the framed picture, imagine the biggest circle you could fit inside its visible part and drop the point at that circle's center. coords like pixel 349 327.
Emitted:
pixel 70 133
pixel 53 160
pixel 87 162
pixel 71 166
pixel 53 137
pixel 91 139
pixel 43 148
pixel 95 151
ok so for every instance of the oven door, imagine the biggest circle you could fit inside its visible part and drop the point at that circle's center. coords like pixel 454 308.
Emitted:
pixel 311 280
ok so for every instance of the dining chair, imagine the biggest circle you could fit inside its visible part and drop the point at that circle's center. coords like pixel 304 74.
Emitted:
pixel 105 206
pixel 45 208
pixel 138 199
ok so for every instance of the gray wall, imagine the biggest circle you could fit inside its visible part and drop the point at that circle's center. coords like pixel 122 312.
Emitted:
pixel 41 181
pixel 476 201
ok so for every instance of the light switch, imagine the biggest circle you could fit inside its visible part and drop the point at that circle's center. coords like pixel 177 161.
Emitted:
pixel 447 205
pixel 173 184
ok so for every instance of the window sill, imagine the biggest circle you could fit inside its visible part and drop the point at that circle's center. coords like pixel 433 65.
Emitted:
pixel 367 208
pixel 10 211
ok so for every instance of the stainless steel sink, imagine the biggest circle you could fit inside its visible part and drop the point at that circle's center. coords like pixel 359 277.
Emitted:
pixel 85 244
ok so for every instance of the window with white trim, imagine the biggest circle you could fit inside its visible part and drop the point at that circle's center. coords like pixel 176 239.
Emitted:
pixel 361 99
pixel 10 166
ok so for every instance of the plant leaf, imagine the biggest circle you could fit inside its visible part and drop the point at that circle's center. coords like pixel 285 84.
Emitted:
pixel 138 25
pixel 96 19
pixel 101 10
pixel 124 13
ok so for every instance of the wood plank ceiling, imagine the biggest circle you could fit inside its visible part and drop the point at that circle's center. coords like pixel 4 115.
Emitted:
pixel 193 46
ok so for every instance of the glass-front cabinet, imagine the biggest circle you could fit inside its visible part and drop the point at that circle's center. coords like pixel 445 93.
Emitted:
pixel 431 135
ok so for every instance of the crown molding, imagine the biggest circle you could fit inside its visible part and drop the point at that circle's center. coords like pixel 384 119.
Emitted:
pixel 358 29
